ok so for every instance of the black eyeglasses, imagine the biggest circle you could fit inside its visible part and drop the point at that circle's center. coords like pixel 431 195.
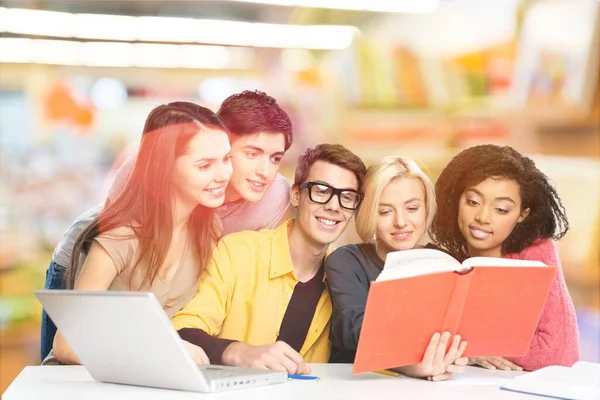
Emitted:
pixel 322 193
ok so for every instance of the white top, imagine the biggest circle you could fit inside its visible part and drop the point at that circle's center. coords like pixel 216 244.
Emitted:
pixel 336 382
pixel 243 215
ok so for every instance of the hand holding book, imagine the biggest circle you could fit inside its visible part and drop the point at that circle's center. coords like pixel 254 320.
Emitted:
pixel 495 363
pixel 494 304
pixel 439 364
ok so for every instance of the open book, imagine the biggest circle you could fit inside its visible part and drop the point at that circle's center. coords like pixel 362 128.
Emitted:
pixel 493 303
pixel 407 263
pixel 581 382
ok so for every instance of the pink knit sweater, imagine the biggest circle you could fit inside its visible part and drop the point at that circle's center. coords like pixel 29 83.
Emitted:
pixel 556 340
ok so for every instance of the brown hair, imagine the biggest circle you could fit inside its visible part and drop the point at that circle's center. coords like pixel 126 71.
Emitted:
pixel 145 205
pixel 252 112
pixel 332 153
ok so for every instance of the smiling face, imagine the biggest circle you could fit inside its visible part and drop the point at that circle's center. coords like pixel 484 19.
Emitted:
pixel 256 159
pixel 487 214
pixel 402 216
pixel 201 174
pixel 322 224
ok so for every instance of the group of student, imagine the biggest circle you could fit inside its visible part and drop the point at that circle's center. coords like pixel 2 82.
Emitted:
pixel 201 218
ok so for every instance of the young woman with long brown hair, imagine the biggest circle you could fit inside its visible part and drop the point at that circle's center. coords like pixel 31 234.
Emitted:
pixel 159 233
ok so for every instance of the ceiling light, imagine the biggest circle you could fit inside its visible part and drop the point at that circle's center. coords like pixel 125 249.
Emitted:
pixel 16 50
pixel 390 6
pixel 174 30
pixel 107 27
pixel 115 54
pixel 60 52
pixel 107 54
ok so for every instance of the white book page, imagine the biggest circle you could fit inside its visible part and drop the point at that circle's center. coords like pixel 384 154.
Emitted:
pixel 582 381
pixel 580 374
pixel 555 389
pixel 589 371
pixel 499 262
pixel 416 262
pixel 474 376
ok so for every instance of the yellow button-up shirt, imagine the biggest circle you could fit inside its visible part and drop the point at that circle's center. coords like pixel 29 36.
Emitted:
pixel 246 291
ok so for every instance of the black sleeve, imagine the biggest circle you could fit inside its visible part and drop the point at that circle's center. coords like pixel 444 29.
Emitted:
pixel 213 347
pixel 349 287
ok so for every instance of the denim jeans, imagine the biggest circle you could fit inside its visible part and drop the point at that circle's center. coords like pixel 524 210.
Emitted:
pixel 55 279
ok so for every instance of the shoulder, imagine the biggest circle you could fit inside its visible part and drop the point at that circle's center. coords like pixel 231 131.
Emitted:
pixel 239 251
pixel 348 256
pixel 90 214
pixel 120 236
pixel 83 220
pixel 543 245
pixel 121 232
pixel 68 239
pixel 120 244
pixel 543 250
pixel 248 240
pixel 265 213
pixel 280 185
pixel 278 193
pixel 347 250
pixel 538 248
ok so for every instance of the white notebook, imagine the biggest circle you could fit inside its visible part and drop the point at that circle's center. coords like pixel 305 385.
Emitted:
pixel 579 382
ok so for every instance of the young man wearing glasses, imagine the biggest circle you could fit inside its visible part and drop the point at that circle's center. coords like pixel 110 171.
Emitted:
pixel 263 301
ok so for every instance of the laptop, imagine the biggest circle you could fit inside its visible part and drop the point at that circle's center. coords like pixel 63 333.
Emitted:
pixel 127 338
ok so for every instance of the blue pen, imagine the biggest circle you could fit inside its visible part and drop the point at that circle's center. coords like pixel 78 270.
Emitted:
pixel 303 377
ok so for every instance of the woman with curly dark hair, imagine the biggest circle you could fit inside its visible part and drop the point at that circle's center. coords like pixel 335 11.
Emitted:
pixel 494 202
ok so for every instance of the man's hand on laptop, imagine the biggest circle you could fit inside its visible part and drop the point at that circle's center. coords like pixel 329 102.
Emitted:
pixel 278 356
pixel 197 353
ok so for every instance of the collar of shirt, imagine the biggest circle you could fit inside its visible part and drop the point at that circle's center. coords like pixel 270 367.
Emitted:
pixel 281 259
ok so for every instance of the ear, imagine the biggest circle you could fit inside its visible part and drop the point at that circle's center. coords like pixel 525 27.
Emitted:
pixel 294 195
pixel 523 215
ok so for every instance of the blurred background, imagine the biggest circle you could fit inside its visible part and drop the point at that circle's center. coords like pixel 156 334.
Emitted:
pixel 421 78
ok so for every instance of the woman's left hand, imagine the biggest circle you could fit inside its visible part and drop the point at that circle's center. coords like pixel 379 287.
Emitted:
pixel 495 363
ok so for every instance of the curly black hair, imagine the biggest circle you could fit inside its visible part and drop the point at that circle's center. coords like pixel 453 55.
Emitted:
pixel 547 218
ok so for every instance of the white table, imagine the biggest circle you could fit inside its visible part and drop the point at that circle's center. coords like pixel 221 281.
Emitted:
pixel 336 382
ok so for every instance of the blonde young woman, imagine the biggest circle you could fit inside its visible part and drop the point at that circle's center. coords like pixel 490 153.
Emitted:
pixel 398 208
